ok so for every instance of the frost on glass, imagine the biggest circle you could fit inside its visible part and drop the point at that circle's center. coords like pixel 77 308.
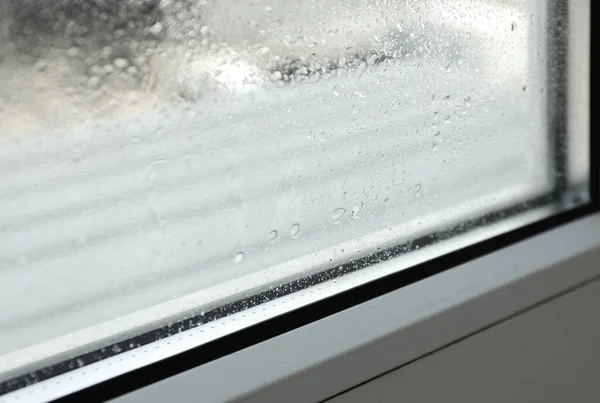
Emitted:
pixel 152 149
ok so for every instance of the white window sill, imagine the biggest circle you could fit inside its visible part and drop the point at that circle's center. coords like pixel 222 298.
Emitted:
pixel 330 355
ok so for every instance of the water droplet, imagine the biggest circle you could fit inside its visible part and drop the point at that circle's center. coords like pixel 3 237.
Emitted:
pixel 276 76
pixel 121 63
pixel 73 52
pixel 238 257
pixel 156 29
pixel 94 82
pixel 356 210
pixel 273 235
pixel 295 230
pixel 338 214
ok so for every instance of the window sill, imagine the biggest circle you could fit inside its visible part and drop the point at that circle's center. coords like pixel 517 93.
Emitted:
pixel 328 356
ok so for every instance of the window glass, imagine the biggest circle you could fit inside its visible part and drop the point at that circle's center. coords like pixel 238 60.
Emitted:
pixel 155 149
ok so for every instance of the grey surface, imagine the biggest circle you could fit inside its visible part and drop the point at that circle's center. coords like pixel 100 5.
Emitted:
pixel 549 354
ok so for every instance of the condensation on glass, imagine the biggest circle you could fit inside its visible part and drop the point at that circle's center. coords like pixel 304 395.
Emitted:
pixel 151 149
